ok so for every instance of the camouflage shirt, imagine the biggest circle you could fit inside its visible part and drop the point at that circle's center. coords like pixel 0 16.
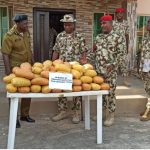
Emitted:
pixel 69 46
pixel 145 49
pixel 121 28
pixel 109 46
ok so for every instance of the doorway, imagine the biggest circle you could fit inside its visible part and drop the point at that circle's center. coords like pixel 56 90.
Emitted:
pixel 42 19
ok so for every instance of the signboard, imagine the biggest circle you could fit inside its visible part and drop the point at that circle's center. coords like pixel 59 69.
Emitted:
pixel 61 81
pixel 146 65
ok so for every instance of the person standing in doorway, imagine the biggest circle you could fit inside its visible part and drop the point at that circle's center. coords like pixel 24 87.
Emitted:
pixel 121 27
pixel 109 45
pixel 145 71
pixel 69 46
pixel 16 50
pixel 52 39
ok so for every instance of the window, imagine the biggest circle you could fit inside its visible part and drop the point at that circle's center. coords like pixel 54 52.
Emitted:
pixel 141 29
pixel 96 25
pixel 3 23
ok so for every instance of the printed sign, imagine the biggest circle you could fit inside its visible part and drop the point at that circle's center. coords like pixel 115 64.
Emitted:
pixel 61 81
pixel 146 65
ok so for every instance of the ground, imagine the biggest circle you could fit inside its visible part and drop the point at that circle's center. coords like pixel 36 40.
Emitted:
pixel 127 132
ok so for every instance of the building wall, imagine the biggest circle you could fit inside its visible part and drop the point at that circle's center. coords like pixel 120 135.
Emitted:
pixel 143 7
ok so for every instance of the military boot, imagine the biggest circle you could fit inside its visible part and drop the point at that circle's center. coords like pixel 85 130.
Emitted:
pixel 146 115
pixel 125 82
pixel 109 119
pixel 76 117
pixel 62 115
pixel 104 114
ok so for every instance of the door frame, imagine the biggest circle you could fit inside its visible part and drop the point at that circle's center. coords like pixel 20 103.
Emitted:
pixel 37 9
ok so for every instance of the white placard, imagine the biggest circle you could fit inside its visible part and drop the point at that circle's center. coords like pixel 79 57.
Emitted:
pixel 146 65
pixel 61 81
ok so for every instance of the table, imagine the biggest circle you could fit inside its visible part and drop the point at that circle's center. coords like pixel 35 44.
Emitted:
pixel 14 99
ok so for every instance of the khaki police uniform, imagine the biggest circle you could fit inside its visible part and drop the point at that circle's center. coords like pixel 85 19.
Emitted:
pixel 17 46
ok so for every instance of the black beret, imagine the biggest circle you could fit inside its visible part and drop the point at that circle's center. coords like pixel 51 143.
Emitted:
pixel 20 17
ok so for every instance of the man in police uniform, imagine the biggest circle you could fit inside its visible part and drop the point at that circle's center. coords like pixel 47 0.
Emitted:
pixel 69 46
pixel 109 45
pixel 145 71
pixel 121 27
pixel 16 50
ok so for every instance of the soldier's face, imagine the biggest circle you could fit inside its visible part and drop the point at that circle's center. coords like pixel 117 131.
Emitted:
pixel 148 26
pixel 106 26
pixel 69 27
pixel 23 25
pixel 119 15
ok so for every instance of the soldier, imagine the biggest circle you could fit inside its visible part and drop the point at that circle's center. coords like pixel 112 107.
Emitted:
pixel 69 46
pixel 109 45
pixel 145 70
pixel 16 50
pixel 121 27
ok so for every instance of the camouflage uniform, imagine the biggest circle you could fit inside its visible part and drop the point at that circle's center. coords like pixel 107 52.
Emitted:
pixel 17 46
pixel 122 29
pixel 70 47
pixel 109 46
pixel 146 55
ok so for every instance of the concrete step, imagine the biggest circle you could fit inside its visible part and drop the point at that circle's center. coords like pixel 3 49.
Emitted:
pixel 130 100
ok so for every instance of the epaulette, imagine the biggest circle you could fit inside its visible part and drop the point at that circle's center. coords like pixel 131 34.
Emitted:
pixel 10 33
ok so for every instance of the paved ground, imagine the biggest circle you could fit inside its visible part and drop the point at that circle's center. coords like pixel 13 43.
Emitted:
pixel 126 133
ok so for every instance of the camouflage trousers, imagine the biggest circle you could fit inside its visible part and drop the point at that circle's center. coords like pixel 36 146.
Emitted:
pixel 146 78
pixel 63 106
pixel 123 65
pixel 109 101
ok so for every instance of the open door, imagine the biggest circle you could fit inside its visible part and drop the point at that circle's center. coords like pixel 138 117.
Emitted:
pixel 41 36
pixel 43 18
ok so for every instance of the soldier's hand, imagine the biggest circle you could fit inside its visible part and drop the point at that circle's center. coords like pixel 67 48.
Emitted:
pixel 83 61
pixel 109 68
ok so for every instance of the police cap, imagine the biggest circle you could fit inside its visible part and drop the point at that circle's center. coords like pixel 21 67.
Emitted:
pixel 20 17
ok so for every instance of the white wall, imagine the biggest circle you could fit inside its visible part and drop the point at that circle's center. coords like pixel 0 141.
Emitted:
pixel 143 7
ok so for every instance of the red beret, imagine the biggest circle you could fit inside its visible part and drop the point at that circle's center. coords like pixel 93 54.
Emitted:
pixel 119 10
pixel 106 18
